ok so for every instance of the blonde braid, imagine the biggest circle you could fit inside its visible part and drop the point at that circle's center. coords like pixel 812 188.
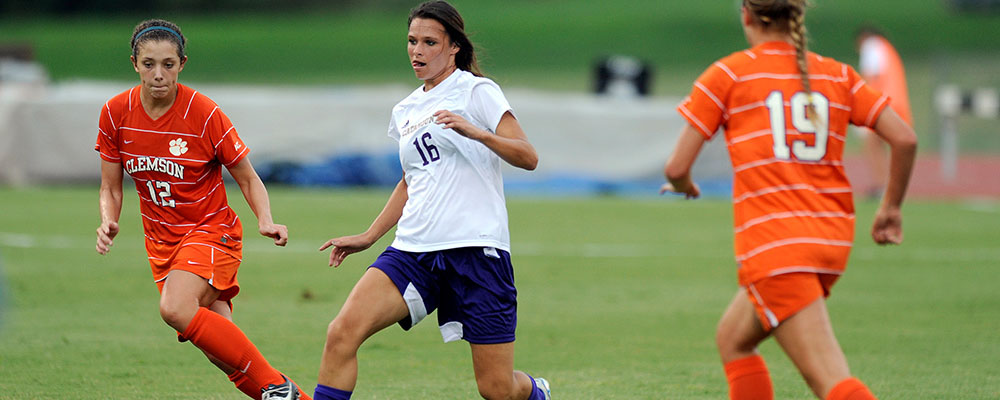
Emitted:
pixel 797 30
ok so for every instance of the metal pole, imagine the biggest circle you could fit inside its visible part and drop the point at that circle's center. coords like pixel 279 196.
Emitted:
pixel 949 148
pixel 949 105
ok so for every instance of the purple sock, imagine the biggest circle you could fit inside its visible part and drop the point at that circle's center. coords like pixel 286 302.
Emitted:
pixel 536 392
pixel 324 392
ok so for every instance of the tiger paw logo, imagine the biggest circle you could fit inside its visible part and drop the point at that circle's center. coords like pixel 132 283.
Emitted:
pixel 178 147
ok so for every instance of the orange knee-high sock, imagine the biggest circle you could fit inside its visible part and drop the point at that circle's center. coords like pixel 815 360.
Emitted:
pixel 245 385
pixel 748 379
pixel 219 337
pixel 850 389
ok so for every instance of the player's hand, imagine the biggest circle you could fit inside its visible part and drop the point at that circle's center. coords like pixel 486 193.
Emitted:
pixel 277 232
pixel 105 236
pixel 888 226
pixel 691 192
pixel 458 124
pixel 345 246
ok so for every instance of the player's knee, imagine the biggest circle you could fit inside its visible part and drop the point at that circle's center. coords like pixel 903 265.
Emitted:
pixel 730 345
pixel 342 336
pixel 174 315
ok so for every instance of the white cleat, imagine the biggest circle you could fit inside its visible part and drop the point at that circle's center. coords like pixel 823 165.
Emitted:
pixel 543 384
pixel 284 391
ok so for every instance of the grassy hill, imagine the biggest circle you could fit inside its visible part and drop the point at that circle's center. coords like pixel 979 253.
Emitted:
pixel 546 43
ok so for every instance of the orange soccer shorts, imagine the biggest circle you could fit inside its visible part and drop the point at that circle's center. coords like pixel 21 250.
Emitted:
pixel 206 258
pixel 776 298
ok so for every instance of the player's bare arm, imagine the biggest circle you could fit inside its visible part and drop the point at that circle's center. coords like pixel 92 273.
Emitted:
pixel 109 204
pixel 888 225
pixel 678 168
pixel 346 245
pixel 510 141
pixel 256 195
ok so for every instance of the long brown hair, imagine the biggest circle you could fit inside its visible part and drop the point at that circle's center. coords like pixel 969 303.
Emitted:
pixel 454 26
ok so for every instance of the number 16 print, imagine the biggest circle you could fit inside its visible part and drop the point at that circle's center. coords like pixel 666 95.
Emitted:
pixel 432 150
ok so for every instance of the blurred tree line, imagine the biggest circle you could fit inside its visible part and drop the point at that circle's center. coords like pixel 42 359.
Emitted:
pixel 74 7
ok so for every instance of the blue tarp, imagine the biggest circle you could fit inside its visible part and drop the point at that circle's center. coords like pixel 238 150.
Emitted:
pixel 353 170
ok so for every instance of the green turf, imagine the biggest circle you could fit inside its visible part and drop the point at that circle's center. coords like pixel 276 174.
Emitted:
pixel 618 300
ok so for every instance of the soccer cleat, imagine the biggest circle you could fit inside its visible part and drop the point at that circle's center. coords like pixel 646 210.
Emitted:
pixel 543 384
pixel 284 391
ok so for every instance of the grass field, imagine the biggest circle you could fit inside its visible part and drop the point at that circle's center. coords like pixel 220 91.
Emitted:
pixel 618 296
pixel 618 300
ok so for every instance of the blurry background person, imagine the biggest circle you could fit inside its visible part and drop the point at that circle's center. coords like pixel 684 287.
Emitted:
pixel 880 65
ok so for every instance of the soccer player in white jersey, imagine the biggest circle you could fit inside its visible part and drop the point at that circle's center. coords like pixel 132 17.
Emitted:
pixel 452 243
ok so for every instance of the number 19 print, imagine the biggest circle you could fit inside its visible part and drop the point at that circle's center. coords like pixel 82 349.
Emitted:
pixel 801 122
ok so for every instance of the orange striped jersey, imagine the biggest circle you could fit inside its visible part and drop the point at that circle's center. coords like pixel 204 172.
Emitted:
pixel 793 210
pixel 176 162
pixel 881 66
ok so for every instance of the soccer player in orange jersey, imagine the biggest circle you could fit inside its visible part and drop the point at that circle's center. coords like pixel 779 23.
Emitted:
pixel 881 66
pixel 785 112
pixel 173 142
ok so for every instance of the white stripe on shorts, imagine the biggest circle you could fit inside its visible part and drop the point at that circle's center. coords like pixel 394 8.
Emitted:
pixel 452 331
pixel 771 318
pixel 415 303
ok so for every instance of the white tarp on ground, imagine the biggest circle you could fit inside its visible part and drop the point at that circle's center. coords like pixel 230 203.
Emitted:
pixel 47 132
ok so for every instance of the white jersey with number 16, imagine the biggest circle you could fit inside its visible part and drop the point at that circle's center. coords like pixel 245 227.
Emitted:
pixel 454 185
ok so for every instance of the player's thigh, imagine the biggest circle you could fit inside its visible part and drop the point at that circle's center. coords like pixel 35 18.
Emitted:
pixel 374 304
pixel 184 290
pixel 808 339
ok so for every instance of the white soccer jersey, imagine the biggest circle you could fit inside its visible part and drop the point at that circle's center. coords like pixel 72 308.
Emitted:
pixel 454 184
pixel 872 60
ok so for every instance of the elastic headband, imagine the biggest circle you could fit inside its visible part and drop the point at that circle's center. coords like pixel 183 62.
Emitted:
pixel 160 28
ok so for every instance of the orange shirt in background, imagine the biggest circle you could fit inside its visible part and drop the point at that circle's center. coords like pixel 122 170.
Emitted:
pixel 793 210
pixel 881 66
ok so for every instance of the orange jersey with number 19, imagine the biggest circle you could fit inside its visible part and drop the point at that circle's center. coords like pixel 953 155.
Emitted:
pixel 793 210
pixel 176 162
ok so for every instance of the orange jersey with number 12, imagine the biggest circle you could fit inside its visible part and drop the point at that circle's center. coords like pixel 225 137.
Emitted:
pixel 793 210
pixel 176 162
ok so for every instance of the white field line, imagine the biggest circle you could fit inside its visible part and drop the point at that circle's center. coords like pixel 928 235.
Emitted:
pixel 985 205
pixel 587 250
pixel 24 240
pixel 264 245
pixel 989 255
pixel 255 244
